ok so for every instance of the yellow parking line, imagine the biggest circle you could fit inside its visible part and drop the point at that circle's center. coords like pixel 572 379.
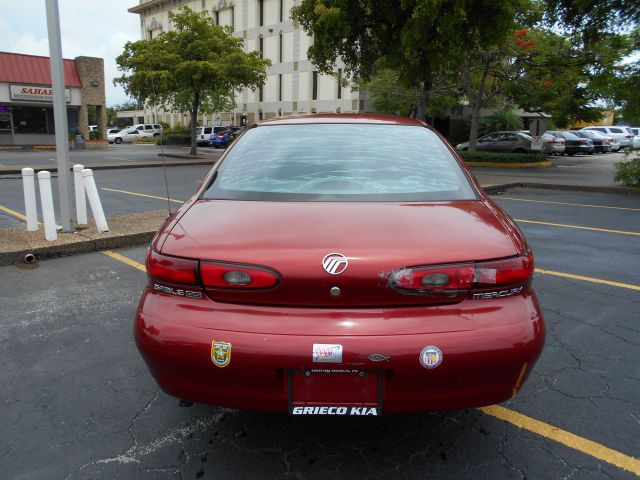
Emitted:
pixel 142 195
pixel 592 229
pixel 14 213
pixel 588 279
pixel 593 449
pixel 588 447
pixel 123 259
pixel 565 203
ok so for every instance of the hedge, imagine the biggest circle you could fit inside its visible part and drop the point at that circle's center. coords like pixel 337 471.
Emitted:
pixel 176 138
pixel 502 157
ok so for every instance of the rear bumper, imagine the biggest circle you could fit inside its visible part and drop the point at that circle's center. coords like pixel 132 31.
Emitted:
pixel 483 364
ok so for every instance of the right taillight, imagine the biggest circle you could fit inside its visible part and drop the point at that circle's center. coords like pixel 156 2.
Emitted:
pixel 462 278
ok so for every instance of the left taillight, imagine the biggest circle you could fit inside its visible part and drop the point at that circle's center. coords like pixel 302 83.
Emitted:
pixel 165 268
pixel 237 276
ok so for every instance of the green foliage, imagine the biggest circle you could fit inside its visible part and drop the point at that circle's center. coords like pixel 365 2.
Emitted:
pixel 95 135
pixel 502 157
pixel 626 93
pixel 389 95
pixel 503 119
pixel 628 172
pixel 197 66
pixel 421 40
pixel 175 137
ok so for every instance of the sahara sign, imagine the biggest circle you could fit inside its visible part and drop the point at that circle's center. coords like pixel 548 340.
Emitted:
pixel 36 93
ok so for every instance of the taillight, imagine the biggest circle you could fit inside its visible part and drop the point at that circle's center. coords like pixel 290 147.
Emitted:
pixel 435 278
pixel 458 278
pixel 171 269
pixel 231 275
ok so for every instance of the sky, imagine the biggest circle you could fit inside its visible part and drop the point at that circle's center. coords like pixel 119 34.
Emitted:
pixel 91 28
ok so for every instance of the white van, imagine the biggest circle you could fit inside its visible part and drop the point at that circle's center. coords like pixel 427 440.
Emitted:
pixel 152 129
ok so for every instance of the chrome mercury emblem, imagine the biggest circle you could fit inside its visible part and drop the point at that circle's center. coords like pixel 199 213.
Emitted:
pixel 335 263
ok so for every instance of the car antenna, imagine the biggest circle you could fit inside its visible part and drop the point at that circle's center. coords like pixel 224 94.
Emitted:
pixel 164 166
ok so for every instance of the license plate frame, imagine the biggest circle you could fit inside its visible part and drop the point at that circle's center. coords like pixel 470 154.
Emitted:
pixel 370 406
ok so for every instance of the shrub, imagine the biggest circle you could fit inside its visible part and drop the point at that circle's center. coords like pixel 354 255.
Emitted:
pixel 502 157
pixel 176 137
pixel 95 135
pixel 628 172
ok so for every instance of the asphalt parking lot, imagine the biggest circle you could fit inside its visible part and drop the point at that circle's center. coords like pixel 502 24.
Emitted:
pixel 78 402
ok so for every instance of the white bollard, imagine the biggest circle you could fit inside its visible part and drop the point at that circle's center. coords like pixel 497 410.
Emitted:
pixel 46 201
pixel 29 186
pixel 81 203
pixel 94 200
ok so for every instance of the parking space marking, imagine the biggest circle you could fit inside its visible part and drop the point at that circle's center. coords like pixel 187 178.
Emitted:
pixel 13 213
pixel 591 448
pixel 499 197
pixel 524 422
pixel 588 279
pixel 123 259
pixel 578 227
pixel 142 195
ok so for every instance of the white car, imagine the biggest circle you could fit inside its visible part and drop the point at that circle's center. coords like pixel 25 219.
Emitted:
pixel 624 137
pixel 153 129
pixel 636 137
pixel 128 135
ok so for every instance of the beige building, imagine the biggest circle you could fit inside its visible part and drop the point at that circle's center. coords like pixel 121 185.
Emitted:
pixel 292 86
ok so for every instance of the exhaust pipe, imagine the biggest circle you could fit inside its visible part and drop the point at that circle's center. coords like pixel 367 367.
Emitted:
pixel 29 258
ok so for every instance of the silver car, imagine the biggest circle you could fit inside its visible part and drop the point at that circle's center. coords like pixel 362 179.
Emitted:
pixel 501 142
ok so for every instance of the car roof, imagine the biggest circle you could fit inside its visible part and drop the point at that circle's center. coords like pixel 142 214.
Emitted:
pixel 353 118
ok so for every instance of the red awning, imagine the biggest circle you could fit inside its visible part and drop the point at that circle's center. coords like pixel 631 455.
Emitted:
pixel 33 69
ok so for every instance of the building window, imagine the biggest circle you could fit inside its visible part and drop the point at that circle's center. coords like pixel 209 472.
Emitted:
pixel 261 46
pixel 203 4
pixel 233 18
pixel 260 93
pixel 314 87
pixel 260 13
pixel 339 83
pixel 259 114
pixel 217 18
pixel 281 10
pixel 280 87
pixel 280 48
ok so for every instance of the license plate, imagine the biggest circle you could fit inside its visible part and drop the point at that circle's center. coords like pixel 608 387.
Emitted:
pixel 335 392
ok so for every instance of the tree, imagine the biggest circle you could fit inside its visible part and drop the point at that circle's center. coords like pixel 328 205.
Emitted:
pixel 196 67
pixel 421 40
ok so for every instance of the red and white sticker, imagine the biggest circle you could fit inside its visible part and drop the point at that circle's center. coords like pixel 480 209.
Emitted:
pixel 327 353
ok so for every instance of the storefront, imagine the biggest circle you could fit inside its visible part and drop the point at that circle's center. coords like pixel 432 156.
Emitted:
pixel 26 98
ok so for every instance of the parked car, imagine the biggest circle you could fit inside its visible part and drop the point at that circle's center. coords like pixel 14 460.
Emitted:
pixel 625 138
pixel 153 129
pixel 572 143
pixel 600 142
pixel 550 145
pixel 635 143
pixel 204 133
pixel 221 139
pixel 501 142
pixel 342 277
pixel 128 135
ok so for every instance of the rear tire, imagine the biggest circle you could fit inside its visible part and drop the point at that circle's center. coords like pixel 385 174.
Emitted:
pixel 118 140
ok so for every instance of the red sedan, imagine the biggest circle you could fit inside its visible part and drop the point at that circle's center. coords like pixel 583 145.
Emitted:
pixel 340 265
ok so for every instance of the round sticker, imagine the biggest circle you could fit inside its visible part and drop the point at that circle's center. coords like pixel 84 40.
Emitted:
pixel 430 357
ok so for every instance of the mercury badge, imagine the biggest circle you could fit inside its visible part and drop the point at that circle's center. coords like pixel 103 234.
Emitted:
pixel 220 353
pixel 430 357
pixel 335 263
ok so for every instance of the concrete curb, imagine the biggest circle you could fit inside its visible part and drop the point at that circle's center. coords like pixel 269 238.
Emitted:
pixel 83 246
pixel 544 164
pixel 112 166
pixel 552 186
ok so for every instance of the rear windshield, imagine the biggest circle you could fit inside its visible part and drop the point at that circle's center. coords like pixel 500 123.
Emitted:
pixel 338 162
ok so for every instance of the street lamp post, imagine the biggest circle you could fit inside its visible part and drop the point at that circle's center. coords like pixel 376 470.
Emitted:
pixel 59 113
